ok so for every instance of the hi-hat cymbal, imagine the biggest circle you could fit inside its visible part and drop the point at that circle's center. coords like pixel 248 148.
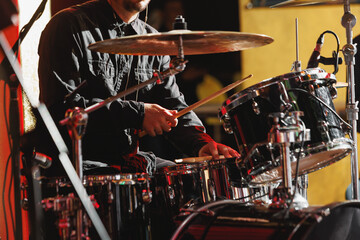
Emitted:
pixel 193 43
pixel 296 3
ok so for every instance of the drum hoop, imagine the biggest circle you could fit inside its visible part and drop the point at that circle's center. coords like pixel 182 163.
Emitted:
pixel 190 168
pixel 307 75
pixel 344 143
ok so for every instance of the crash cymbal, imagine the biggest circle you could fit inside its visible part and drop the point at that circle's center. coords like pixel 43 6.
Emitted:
pixel 296 3
pixel 193 42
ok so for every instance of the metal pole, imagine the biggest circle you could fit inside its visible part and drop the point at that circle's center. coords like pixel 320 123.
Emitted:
pixel 286 165
pixel 348 21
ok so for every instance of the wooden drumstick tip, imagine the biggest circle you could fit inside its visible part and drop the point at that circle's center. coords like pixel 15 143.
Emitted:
pixel 197 159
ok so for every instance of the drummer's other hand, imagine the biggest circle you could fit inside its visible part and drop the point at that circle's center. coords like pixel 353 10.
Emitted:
pixel 215 149
pixel 158 119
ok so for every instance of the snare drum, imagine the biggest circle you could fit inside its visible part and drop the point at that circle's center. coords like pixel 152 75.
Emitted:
pixel 246 113
pixel 198 183
pixel 193 183
pixel 233 220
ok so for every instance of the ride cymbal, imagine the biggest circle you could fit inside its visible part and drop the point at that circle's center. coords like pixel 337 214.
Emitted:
pixel 193 43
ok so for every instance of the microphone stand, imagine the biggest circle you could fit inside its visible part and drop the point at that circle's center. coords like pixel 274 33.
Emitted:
pixel 348 21
pixel 13 83
pixel 60 144
pixel 22 34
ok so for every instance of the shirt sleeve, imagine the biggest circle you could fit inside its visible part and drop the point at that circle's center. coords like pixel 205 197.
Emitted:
pixel 190 133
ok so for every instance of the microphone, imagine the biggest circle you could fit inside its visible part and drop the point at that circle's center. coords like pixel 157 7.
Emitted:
pixel 315 56
pixel 43 160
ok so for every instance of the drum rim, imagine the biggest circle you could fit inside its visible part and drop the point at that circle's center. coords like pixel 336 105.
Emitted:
pixel 251 92
pixel 190 168
pixel 122 178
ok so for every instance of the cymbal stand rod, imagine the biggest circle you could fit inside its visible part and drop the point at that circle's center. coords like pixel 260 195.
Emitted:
pixel 348 21
pixel 297 63
pixel 181 48
pixel 76 129
pixel 285 158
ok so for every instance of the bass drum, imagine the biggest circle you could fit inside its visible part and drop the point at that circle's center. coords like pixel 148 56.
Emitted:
pixel 246 115
pixel 180 187
pixel 233 220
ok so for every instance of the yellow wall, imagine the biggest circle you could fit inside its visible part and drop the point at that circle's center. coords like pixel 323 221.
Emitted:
pixel 326 185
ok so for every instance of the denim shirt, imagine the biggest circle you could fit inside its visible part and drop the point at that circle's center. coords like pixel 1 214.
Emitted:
pixel 65 62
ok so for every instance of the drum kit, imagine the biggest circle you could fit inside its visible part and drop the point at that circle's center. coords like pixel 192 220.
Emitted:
pixel 285 127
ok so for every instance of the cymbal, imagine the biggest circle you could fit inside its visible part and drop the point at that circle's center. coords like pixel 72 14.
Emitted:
pixel 296 3
pixel 193 42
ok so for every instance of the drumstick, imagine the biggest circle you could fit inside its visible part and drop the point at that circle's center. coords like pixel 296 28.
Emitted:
pixel 341 84
pixel 205 100
pixel 197 159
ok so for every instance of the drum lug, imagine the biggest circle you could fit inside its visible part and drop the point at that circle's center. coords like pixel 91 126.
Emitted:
pixel 171 194
pixel 311 89
pixel 255 107
pixel 147 196
pixel 24 200
pixel 333 92
pixel 324 129
pixel 110 194
pixel 211 189
pixel 275 161
pixel 227 125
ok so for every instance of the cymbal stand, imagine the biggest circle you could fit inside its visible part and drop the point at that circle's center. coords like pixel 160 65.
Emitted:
pixel 284 136
pixel 348 21
pixel 76 119
pixel 76 129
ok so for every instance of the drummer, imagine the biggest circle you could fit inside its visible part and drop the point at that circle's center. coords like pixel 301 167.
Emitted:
pixel 111 139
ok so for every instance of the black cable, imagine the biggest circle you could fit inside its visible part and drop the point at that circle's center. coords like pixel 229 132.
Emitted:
pixel 6 120
pixel 7 163
pixel 296 173
pixel 213 218
pixel 3 197
pixel 9 202
pixel 335 54
pixel 297 164
pixel 185 224
pixel 322 102
pixel 25 29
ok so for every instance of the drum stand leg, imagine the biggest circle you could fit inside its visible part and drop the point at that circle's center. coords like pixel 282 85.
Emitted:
pixel 283 136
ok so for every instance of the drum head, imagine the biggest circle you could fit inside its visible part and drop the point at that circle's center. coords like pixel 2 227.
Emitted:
pixel 314 158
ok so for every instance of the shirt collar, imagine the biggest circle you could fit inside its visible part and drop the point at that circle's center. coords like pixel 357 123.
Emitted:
pixel 137 25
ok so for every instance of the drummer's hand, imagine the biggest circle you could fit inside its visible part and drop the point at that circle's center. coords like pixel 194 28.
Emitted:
pixel 158 119
pixel 216 149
